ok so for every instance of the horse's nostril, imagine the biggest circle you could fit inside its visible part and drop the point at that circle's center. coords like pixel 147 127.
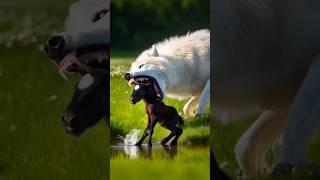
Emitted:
pixel 68 118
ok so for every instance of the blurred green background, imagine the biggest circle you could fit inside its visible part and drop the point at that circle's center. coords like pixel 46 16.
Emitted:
pixel 33 144
pixel 137 24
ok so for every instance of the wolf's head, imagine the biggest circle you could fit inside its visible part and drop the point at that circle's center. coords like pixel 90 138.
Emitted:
pixel 148 64
pixel 145 87
pixel 85 42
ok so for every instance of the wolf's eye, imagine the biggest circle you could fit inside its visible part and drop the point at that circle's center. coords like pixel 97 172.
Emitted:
pixel 141 66
pixel 100 15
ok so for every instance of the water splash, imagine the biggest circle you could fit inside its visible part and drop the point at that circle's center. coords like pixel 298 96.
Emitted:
pixel 132 137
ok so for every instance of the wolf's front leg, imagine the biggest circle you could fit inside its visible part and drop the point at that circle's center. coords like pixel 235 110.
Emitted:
pixel 204 98
pixel 304 115
pixel 252 146
pixel 190 105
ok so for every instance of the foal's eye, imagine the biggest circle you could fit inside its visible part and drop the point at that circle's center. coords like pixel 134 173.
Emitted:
pixel 136 87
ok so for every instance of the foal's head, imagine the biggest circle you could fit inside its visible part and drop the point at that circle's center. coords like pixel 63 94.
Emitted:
pixel 89 102
pixel 144 90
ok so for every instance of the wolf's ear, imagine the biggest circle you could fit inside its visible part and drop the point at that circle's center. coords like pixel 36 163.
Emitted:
pixel 154 51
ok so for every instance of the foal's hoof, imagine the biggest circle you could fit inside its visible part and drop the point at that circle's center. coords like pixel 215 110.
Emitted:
pixel 281 169
pixel 138 144
pixel 173 144
pixel 163 142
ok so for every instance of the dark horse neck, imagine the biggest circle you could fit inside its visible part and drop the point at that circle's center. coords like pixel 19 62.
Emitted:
pixel 151 100
pixel 151 97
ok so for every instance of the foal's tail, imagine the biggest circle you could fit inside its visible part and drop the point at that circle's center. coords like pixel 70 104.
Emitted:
pixel 180 123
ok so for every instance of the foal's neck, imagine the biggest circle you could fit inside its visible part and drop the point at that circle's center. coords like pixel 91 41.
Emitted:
pixel 150 100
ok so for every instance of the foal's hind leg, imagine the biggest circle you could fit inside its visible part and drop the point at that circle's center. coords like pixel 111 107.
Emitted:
pixel 166 139
pixel 177 131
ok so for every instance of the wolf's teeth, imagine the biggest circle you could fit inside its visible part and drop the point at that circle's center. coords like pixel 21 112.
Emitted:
pixel 62 74
pixel 131 82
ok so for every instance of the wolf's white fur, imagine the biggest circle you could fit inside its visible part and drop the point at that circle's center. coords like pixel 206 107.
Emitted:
pixel 261 64
pixel 82 12
pixel 181 66
pixel 82 28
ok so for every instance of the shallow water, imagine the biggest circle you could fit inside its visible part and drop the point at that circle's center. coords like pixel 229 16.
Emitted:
pixel 145 152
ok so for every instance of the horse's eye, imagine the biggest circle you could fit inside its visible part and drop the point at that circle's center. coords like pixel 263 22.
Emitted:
pixel 100 15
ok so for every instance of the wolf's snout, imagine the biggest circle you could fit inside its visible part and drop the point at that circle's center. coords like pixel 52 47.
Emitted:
pixel 55 46
pixel 127 76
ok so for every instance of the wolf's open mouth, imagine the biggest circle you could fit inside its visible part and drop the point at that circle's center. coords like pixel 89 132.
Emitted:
pixel 84 60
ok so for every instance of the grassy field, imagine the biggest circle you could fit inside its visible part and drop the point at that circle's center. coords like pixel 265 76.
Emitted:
pixel 33 144
pixel 192 159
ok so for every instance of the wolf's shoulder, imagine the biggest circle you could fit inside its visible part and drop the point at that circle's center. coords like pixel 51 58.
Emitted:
pixel 190 37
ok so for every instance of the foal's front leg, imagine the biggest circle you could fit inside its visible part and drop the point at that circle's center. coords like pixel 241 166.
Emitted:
pixel 145 133
pixel 154 121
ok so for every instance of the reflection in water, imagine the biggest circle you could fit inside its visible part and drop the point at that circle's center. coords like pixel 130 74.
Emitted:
pixel 144 151
pixel 131 151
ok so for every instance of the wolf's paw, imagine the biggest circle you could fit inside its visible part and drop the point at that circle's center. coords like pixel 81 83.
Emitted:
pixel 281 169
pixel 197 115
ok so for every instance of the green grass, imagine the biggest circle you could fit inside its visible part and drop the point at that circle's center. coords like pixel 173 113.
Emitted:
pixel 33 142
pixel 191 162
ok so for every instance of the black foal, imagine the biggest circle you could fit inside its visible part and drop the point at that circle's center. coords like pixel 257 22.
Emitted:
pixel 157 112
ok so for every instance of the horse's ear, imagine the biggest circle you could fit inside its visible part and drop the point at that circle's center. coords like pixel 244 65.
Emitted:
pixel 154 51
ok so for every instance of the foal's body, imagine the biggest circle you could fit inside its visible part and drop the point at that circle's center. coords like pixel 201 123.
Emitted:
pixel 167 117
pixel 157 112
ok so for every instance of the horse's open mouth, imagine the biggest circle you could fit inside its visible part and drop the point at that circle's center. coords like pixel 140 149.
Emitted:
pixel 84 60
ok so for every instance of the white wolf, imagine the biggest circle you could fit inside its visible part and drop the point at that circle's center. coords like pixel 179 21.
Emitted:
pixel 266 59
pixel 181 67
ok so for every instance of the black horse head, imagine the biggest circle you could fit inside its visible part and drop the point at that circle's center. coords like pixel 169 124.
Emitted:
pixel 89 102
